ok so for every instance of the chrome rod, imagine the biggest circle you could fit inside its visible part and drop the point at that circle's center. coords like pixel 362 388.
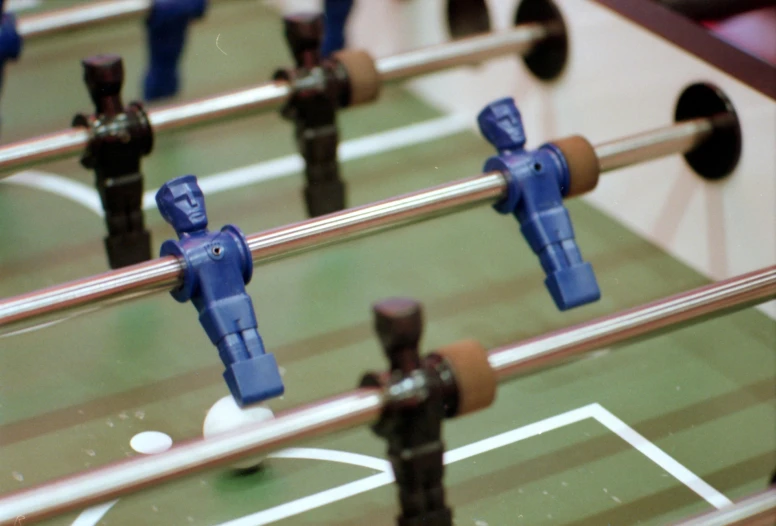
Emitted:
pixel 261 98
pixel 757 510
pixel 681 137
pixel 669 313
pixel 72 141
pixel 364 405
pixel 462 52
pixel 384 215
pixel 62 20
pixel 273 95
pixel 163 274
pixel 355 408
pixel 46 148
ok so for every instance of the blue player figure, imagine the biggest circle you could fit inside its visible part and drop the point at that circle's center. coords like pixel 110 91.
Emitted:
pixel 218 265
pixel 537 182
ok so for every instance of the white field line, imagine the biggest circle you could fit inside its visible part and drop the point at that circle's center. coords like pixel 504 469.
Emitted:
pixel 75 191
pixel 382 142
pixel 331 455
pixel 595 411
pixel 92 516
pixel 45 324
pixel 660 457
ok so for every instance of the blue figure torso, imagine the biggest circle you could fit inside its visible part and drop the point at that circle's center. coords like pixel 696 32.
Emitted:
pixel 537 181
pixel 218 266
pixel 538 190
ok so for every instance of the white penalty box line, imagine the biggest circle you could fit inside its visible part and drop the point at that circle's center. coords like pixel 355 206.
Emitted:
pixel 594 411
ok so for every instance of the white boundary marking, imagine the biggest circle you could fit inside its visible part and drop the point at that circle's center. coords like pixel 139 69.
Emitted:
pixel 660 457
pixel 343 457
pixel 45 324
pixel 75 191
pixel 91 516
pixel 386 141
pixel 595 411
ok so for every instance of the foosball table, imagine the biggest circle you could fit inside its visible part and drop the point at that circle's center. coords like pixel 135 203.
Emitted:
pixel 606 355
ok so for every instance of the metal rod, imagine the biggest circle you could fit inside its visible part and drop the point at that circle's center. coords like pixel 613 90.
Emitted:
pixel 163 274
pixel 273 95
pixel 46 148
pixel 351 409
pixel 471 50
pixel 62 20
pixel 712 300
pixel 757 510
pixel 264 97
pixel 681 137
pixel 364 405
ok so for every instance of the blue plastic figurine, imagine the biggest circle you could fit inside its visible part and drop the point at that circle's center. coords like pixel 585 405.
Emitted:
pixel 166 32
pixel 537 182
pixel 218 265
pixel 335 16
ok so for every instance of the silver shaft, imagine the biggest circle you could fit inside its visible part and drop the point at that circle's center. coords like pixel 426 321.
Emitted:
pixel 163 274
pixel 46 148
pixel 681 137
pixel 364 405
pixel 73 141
pixel 712 300
pixel 473 50
pixel 355 408
pixel 264 97
pixel 273 95
pixel 63 20
pixel 757 510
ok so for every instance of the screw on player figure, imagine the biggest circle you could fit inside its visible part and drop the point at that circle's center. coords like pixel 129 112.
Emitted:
pixel 419 394
pixel 218 265
pixel 120 137
pixel 537 181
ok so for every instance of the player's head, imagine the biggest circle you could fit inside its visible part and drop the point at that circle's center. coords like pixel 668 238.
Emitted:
pixel 501 125
pixel 182 204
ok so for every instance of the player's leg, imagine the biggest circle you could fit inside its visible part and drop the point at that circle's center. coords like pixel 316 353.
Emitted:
pixel 251 374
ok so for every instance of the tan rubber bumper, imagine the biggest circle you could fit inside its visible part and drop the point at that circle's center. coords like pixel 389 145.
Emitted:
pixel 584 168
pixel 474 377
pixel 364 78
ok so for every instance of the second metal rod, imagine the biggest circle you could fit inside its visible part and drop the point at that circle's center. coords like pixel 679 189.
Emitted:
pixel 364 405
pixel 71 18
pixel 272 95
pixel 164 273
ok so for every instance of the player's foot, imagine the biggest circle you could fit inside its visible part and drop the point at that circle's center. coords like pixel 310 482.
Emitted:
pixel 254 380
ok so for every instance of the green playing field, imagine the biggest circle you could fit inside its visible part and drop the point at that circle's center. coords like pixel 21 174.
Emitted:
pixel 648 434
